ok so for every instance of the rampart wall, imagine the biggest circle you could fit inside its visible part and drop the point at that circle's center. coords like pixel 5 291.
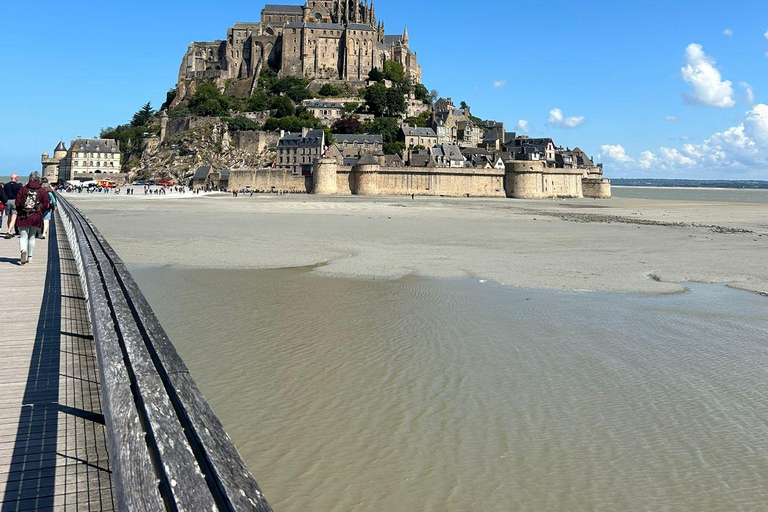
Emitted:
pixel 269 180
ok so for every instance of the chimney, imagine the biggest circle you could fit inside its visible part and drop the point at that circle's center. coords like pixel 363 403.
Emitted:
pixel 304 131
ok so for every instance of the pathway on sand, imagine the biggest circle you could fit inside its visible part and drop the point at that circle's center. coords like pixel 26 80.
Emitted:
pixel 53 453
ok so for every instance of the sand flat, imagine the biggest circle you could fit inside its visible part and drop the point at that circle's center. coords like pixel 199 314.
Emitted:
pixel 622 245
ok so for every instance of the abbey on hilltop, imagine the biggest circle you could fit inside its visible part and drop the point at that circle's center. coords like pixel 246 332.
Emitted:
pixel 334 40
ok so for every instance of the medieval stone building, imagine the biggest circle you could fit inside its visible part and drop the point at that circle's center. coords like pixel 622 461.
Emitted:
pixel 327 40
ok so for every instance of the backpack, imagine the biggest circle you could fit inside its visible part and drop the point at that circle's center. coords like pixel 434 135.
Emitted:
pixel 31 203
pixel 52 199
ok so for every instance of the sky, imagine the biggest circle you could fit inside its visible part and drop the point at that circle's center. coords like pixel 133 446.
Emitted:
pixel 673 89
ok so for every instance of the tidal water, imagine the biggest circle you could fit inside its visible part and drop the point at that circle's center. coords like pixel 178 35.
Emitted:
pixel 719 195
pixel 431 395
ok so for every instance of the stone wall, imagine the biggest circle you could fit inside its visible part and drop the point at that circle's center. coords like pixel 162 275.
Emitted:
pixel 256 142
pixel 597 188
pixel 184 124
pixel 269 180
pixel 533 180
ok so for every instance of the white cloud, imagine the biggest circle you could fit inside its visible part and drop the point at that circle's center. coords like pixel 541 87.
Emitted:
pixel 616 153
pixel 728 32
pixel 766 35
pixel 685 138
pixel 523 126
pixel 499 84
pixel 709 88
pixel 740 150
pixel 749 93
pixel 557 118
pixel 673 118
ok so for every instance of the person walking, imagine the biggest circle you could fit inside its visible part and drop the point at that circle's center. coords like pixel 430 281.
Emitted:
pixel 31 202
pixel 48 214
pixel 12 189
pixel 3 199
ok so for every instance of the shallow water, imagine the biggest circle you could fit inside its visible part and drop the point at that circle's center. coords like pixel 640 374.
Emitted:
pixel 420 394
pixel 719 195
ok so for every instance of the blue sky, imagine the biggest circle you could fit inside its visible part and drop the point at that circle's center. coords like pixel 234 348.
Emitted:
pixel 603 75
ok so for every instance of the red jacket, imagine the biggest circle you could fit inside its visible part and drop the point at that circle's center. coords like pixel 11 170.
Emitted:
pixel 36 219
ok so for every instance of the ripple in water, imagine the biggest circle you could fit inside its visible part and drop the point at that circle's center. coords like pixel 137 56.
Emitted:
pixel 418 394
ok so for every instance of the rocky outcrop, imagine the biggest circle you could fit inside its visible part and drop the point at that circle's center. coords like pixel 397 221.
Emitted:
pixel 211 144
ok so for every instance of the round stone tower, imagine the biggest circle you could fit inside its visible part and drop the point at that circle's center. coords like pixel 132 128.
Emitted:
pixel 324 176
pixel 163 125
pixel 366 176
pixel 60 153
pixel 524 179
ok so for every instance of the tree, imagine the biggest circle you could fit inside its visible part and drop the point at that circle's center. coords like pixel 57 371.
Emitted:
pixel 375 75
pixel 241 124
pixel 387 127
pixel 395 103
pixel 421 93
pixel 328 90
pixel 393 148
pixel 208 101
pixel 376 98
pixel 259 102
pixel 433 95
pixel 283 107
pixel 347 125
pixel 143 116
pixel 169 97
pixel 394 71
pixel 271 125
pixel 464 105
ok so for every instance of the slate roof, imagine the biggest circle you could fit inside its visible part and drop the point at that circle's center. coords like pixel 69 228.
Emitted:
pixel 324 104
pixel 360 139
pixel 410 131
pixel 368 159
pixel 390 40
pixel 202 172
pixel 420 159
pixel 61 147
pixel 359 26
pixel 317 26
pixel 96 145
pixel 284 9
pixel 313 139
pixel 242 25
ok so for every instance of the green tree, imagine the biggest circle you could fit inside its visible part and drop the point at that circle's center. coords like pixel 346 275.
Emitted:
pixel 394 71
pixel 283 107
pixel 328 90
pixel 376 98
pixel 347 125
pixel 169 97
pixel 271 125
pixel 393 148
pixel 208 101
pixel 387 127
pixel 464 105
pixel 375 75
pixel 143 116
pixel 395 103
pixel 259 102
pixel 421 93
pixel 241 124
pixel 267 79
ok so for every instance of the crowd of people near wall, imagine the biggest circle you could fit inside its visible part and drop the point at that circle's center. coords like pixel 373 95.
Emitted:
pixel 28 210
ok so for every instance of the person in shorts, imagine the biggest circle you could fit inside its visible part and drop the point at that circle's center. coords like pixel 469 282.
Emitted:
pixel 12 189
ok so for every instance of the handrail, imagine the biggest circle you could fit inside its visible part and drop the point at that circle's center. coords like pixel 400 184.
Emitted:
pixel 168 449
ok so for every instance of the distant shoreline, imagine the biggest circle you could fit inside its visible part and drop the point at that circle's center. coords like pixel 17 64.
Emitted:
pixel 672 187
pixel 691 184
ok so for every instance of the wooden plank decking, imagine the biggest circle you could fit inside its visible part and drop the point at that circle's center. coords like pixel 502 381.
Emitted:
pixel 53 453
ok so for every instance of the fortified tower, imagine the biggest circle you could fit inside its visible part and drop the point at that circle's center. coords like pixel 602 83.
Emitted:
pixel 366 176
pixel 51 165
pixel 325 177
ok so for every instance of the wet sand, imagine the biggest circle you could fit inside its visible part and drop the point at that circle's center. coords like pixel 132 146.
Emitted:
pixel 617 245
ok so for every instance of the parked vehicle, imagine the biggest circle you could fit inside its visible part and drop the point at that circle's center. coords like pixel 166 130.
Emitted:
pixel 106 184
pixel 165 183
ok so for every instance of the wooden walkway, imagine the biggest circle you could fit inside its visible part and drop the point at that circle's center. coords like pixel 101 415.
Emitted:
pixel 53 453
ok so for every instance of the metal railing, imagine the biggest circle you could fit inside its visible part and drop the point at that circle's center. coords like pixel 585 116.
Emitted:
pixel 168 449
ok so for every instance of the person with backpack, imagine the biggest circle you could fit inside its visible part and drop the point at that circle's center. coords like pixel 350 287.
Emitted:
pixel 31 202
pixel 48 214
pixel 12 189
